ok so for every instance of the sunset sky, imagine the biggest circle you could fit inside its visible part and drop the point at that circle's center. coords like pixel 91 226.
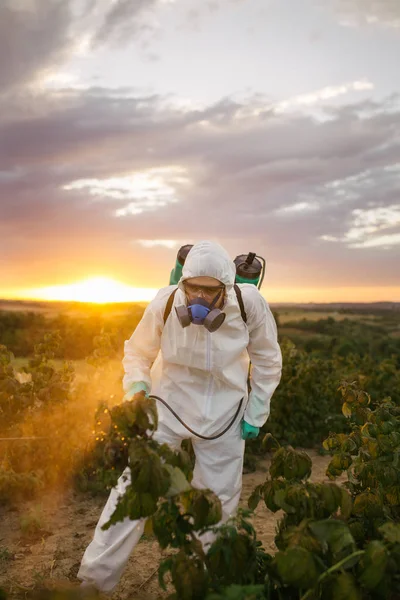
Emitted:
pixel 131 127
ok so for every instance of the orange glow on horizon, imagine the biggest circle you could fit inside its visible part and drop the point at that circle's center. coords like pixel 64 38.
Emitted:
pixel 275 295
pixel 101 290
pixel 97 290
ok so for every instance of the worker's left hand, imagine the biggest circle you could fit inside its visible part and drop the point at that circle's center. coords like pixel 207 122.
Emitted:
pixel 136 391
pixel 249 432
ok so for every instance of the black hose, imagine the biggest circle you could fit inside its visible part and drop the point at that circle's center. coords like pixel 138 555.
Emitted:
pixel 203 437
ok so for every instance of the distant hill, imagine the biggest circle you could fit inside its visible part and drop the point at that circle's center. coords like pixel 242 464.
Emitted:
pixel 120 307
pixel 75 308
pixel 333 306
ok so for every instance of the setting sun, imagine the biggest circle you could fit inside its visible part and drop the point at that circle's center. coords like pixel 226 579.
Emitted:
pixel 98 290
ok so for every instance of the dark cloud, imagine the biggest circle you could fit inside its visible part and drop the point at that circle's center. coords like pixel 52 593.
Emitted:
pixel 39 35
pixel 33 36
pixel 290 183
pixel 122 21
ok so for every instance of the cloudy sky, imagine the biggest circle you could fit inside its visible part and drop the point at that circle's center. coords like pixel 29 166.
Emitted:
pixel 130 127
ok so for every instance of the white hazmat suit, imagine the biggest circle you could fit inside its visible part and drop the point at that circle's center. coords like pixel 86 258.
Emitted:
pixel 203 377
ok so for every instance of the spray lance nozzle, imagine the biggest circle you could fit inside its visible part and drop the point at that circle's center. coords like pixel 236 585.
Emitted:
pixel 250 258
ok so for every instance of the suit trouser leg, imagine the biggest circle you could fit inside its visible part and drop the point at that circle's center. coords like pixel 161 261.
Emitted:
pixel 219 467
pixel 108 553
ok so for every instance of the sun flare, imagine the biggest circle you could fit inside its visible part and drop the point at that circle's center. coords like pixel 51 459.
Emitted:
pixel 97 290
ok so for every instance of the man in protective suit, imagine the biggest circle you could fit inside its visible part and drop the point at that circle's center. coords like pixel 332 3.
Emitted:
pixel 203 376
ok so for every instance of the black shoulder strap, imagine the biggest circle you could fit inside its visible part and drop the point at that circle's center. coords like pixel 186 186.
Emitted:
pixel 240 300
pixel 169 305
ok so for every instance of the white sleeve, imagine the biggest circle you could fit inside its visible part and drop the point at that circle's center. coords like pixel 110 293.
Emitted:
pixel 265 355
pixel 142 348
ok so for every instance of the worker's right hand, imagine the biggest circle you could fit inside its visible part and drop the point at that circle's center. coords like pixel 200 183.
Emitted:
pixel 249 432
pixel 136 391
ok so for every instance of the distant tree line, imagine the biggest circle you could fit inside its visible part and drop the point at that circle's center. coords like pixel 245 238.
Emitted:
pixel 326 337
pixel 21 331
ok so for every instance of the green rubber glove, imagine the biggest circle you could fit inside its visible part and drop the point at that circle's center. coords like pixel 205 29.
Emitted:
pixel 249 432
pixel 136 388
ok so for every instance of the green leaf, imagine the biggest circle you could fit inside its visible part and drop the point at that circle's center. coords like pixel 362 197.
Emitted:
pixel 177 458
pixel 276 467
pixel 368 504
pixel 340 462
pixel 389 476
pixel 346 503
pixel 280 502
pixel 269 443
pixel 347 409
pixel 344 587
pixel 364 399
pixel 205 507
pixel 373 565
pixel 333 533
pixel 331 443
pixel 170 527
pixel 358 532
pixel 232 558
pixel 391 532
pixel 133 505
pixel 270 488
pixel 135 417
pixel 148 473
pixel 296 566
pixel 189 577
pixel 255 497
pixel 373 448
pixel 165 567
pixel 331 495
pixel 394 439
pixel 178 482
pixel 290 464
pixel 299 536
pixel 392 495
pixel 385 443
pixel 200 508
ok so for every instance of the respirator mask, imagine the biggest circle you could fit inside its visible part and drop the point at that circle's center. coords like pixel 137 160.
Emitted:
pixel 200 312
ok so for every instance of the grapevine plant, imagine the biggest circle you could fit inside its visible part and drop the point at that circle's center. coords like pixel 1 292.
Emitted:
pixel 338 542
pixel 333 541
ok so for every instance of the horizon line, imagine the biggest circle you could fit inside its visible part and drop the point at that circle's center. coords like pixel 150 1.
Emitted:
pixel 57 301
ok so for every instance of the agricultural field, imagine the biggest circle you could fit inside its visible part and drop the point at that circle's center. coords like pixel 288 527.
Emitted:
pixel 298 314
pixel 43 542
pixel 336 412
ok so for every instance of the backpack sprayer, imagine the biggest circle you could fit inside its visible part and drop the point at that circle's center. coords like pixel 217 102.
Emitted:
pixel 250 268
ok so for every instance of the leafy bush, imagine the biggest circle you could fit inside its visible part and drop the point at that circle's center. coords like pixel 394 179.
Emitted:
pixel 305 407
pixel 339 542
pixel 370 455
pixel 333 541
pixel 21 331
pixel 45 431
pixel 43 384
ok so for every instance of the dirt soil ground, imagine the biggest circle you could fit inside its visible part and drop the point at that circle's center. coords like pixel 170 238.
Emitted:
pixel 52 556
